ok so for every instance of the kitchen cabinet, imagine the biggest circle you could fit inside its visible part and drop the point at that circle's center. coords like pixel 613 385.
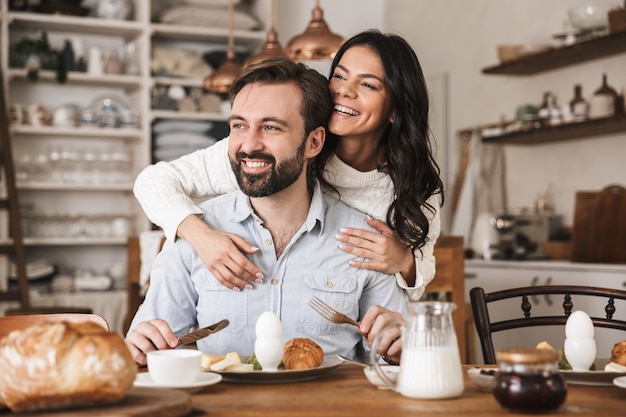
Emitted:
pixel 75 182
pixel 498 275
pixel 555 58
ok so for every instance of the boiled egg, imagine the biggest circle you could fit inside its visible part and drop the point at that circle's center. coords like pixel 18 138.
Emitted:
pixel 579 326
pixel 268 325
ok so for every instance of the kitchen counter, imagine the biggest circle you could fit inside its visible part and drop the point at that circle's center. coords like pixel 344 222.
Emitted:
pixel 546 265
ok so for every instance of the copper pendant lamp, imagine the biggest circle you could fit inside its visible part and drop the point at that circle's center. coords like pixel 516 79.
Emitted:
pixel 271 48
pixel 221 79
pixel 317 41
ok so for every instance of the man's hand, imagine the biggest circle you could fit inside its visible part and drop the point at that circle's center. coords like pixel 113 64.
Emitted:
pixel 375 320
pixel 222 253
pixel 148 336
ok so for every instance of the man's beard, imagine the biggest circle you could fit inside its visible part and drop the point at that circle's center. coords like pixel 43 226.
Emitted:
pixel 271 182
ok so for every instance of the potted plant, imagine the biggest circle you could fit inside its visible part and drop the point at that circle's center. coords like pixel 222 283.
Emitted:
pixel 35 55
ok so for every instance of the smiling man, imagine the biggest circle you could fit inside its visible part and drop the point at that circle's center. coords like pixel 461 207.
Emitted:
pixel 277 124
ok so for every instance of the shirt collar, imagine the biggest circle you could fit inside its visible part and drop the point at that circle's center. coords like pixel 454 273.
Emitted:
pixel 243 209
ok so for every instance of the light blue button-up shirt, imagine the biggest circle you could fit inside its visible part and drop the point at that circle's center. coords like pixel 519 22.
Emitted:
pixel 185 294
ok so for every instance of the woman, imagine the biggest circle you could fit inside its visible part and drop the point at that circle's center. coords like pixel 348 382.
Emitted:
pixel 377 158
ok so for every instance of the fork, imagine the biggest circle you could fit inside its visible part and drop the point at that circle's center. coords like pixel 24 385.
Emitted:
pixel 329 313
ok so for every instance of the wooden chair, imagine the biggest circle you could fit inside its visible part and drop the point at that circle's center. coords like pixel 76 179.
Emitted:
pixel 133 286
pixel 10 323
pixel 529 296
pixel 450 279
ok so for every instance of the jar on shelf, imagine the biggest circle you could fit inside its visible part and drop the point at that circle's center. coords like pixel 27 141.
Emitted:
pixel 529 381
pixel 604 101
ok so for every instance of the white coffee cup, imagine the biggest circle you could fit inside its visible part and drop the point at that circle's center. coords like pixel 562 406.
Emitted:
pixel 174 367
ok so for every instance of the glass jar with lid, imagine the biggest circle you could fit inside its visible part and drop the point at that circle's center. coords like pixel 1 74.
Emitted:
pixel 529 381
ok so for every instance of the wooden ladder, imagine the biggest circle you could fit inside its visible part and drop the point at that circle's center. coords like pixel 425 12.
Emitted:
pixel 11 245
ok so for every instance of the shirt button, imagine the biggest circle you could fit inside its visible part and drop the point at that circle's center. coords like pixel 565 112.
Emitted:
pixel 274 281
pixel 329 284
pixel 268 242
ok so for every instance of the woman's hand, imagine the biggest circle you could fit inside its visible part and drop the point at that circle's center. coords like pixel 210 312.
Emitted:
pixel 221 253
pixel 387 252
pixel 375 320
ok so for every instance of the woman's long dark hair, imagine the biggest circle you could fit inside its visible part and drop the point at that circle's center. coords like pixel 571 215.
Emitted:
pixel 408 158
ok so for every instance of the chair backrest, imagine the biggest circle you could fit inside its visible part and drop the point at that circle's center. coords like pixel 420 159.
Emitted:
pixel 133 285
pixel 450 278
pixel 10 323
pixel 486 326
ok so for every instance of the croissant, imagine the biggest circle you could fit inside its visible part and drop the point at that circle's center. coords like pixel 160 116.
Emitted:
pixel 618 353
pixel 60 364
pixel 302 353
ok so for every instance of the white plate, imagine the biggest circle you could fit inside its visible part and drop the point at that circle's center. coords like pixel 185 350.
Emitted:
pixel 486 382
pixel 282 375
pixel 205 379
pixel 595 378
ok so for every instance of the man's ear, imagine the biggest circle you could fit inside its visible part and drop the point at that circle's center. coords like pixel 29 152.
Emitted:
pixel 315 142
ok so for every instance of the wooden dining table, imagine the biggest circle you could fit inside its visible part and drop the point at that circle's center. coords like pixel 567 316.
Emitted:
pixel 345 391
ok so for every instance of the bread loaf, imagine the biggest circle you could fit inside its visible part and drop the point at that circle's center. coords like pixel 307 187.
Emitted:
pixel 58 365
pixel 302 353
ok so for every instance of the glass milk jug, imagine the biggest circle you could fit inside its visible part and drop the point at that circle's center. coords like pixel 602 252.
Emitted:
pixel 430 364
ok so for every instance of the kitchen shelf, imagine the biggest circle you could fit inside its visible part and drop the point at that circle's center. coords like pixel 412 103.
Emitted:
pixel 127 82
pixel 79 131
pixel 599 47
pixel 55 186
pixel 181 115
pixel 172 32
pixel 75 241
pixel 568 131
pixel 182 81
pixel 80 25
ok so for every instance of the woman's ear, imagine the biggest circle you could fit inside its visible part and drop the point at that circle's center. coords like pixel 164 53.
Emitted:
pixel 316 140
pixel 392 118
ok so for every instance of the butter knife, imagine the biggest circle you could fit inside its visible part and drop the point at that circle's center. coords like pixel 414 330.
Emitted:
pixel 196 335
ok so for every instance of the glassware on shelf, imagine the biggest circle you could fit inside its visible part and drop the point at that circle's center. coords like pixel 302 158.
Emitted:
pixel 579 108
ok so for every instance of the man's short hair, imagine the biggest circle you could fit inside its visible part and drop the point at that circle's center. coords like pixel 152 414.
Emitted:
pixel 317 102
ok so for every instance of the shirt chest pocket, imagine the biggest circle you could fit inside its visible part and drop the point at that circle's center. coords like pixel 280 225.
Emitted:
pixel 337 290
pixel 217 302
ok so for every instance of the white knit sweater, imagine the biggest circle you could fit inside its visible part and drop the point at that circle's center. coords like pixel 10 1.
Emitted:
pixel 166 191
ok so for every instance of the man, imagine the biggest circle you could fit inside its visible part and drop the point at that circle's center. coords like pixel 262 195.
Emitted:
pixel 279 113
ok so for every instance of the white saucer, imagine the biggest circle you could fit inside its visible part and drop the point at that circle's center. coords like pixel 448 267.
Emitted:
pixel 205 379
pixel 620 381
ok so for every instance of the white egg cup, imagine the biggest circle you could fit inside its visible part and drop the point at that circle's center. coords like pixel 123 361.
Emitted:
pixel 269 352
pixel 580 353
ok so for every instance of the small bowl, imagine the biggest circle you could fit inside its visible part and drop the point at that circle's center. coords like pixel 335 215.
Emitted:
pixel 510 52
pixel 174 367
pixel 484 378
pixel 590 16
pixel 391 371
